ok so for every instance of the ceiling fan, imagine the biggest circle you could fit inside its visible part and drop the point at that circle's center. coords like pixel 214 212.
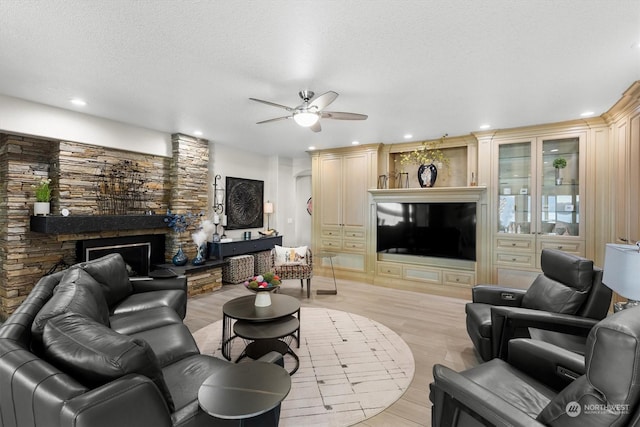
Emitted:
pixel 309 113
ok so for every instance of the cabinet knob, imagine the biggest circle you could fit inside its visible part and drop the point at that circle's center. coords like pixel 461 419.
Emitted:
pixel 560 247
pixel 513 244
pixel 513 259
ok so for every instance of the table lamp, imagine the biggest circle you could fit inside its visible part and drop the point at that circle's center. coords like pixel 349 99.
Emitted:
pixel 622 272
pixel 268 209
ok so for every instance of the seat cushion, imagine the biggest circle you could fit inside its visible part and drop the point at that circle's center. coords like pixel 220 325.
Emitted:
pixel 130 322
pixel 173 298
pixel 111 272
pixel 95 355
pixel 170 343
pixel 512 386
pixel 76 292
pixel 184 377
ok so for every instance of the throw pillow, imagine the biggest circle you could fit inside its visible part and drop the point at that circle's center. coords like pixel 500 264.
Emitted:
pixel 95 354
pixel 290 256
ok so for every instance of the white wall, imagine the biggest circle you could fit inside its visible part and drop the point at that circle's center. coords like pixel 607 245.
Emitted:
pixel 29 118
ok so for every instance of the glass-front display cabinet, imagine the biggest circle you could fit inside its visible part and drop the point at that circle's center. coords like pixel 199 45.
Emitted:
pixel 538 184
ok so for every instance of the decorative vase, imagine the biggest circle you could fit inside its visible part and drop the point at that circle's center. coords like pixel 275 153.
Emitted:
pixel 201 255
pixel 263 299
pixel 180 258
pixel 558 177
pixel 427 175
pixel 41 208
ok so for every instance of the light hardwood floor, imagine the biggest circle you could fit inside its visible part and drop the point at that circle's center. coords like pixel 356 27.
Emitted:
pixel 432 326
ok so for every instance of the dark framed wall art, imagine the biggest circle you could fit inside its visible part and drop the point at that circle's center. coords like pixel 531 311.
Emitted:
pixel 244 203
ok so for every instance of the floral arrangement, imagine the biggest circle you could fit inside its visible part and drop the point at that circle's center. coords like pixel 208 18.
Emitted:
pixel 204 233
pixel 428 153
pixel 267 280
pixel 181 222
pixel 43 191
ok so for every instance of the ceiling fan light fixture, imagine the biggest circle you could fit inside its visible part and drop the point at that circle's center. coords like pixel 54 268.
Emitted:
pixel 305 118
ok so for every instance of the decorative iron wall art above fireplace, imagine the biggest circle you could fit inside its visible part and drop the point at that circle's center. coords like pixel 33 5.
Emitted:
pixel 244 203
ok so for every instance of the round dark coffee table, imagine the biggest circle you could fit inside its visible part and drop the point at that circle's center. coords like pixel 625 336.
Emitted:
pixel 243 308
pixel 275 335
pixel 245 390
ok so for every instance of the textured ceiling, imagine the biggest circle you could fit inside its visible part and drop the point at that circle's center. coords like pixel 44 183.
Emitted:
pixel 420 67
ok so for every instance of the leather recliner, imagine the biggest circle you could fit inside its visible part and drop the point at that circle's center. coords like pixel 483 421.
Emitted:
pixel 516 393
pixel 562 304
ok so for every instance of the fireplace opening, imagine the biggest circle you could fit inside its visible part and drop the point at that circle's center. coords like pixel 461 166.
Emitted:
pixel 140 253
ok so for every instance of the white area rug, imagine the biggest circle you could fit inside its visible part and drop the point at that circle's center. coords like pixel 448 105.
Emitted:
pixel 351 368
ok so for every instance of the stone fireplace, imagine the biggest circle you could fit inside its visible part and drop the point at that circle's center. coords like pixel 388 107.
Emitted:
pixel 28 251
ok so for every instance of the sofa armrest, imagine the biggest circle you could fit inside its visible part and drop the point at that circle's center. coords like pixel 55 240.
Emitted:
pixel 514 322
pixel 130 401
pixel 146 285
pixel 497 295
pixel 550 364
pixel 451 391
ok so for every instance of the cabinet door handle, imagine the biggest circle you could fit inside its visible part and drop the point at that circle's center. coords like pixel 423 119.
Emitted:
pixel 622 239
pixel 560 247
pixel 513 244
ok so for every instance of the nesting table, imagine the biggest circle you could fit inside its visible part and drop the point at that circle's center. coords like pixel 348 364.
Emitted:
pixel 264 325
pixel 243 391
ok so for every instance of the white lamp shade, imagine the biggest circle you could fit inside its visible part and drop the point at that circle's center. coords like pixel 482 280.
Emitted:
pixel 622 270
pixel 305 118
pixel 268 208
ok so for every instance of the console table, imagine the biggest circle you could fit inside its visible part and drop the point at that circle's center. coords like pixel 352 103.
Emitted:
pixel 221 250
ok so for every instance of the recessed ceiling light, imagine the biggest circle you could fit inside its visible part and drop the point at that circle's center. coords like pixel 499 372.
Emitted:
pixel 408 136
pixel 587 114
pixel 312 147
pixel 197 132
pixel 555 150
pixel 355 142
pixel 79 102
pixel 485 126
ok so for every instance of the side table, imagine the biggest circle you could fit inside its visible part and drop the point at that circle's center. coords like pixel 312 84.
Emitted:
pixel 243 391
pixel 244 308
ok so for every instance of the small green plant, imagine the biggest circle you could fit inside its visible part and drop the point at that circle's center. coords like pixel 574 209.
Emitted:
pixel 43 190
pixel 428 153
pixel 560 163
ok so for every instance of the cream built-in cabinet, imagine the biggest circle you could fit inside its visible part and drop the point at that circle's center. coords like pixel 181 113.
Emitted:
pixel 534 204
pixel 341 179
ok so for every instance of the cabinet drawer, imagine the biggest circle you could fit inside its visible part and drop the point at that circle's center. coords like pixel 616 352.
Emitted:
pixel 330 232
pixel 573 247
pixel 353 246
pixel 457 278
pixel 354 234
pixel 391 270
pixel 422 274
pixel 333 244
pixel 514 243
pixel 515 259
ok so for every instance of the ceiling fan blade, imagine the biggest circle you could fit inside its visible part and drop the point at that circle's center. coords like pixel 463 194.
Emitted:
pixel 322 101
pixel 336 115
pixel 316 127
pixel 273 104
pixel 274 120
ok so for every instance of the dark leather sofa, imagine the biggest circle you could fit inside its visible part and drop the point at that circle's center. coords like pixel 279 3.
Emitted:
pixel 90 348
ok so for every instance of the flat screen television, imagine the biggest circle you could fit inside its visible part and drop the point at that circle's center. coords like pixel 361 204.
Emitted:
pixel 436 229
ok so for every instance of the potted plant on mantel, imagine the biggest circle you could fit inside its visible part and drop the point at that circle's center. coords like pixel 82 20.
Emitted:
pixel 429 157
pixel 42 206
pixel 559 163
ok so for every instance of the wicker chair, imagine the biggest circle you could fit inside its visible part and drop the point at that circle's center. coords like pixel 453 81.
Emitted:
pixel 295 271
